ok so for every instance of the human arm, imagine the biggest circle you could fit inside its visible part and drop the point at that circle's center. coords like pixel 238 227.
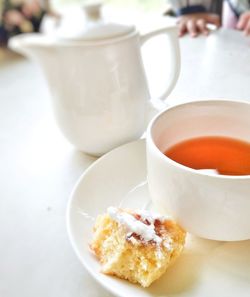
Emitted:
pixel 244 23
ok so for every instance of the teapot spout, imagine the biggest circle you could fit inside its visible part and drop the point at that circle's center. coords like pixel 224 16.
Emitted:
pixel 26 44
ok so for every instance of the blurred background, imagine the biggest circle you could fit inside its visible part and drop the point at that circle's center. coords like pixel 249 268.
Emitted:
pixel 24 16
pixel 144 5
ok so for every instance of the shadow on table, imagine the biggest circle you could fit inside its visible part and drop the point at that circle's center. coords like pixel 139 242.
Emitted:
pixel 203 264
pixel 8 57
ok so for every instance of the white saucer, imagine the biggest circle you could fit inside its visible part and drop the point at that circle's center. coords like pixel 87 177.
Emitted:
pixel 205 269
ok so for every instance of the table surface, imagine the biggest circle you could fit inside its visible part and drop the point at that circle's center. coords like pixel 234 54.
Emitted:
pixel 39 167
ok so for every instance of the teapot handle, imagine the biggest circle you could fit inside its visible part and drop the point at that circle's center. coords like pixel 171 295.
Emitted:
pixel 175 56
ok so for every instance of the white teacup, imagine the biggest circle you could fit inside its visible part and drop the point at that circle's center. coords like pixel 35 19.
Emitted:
pixel 211 206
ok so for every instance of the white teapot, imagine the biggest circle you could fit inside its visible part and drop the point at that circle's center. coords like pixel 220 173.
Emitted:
pixel 97 81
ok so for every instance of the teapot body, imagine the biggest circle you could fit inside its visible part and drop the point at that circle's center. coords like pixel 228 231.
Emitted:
pixel 99 92
pixel 98 86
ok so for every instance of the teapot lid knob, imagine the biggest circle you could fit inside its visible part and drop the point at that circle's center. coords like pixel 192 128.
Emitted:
pixel 96 28
pixel 93 11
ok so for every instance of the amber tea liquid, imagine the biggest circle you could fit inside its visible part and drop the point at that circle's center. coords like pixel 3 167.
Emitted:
pixel 227 155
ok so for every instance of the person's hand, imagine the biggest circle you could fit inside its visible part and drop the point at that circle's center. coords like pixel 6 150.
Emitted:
pixel 196 23
pixel 244 23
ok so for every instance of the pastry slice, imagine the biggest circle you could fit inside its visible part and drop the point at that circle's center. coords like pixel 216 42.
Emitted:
pixel 136 246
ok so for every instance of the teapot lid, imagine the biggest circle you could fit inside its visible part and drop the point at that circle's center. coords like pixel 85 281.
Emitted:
pixel 95 29
pixel 102 31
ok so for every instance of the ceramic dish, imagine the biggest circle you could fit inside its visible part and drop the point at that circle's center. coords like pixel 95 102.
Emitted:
pixel 205 269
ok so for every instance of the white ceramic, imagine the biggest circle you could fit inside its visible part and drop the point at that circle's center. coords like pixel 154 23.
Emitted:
pixel 97 81
pixel 210 206
pixel 206 268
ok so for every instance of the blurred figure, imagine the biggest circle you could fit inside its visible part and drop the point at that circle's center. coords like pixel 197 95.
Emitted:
pixel 20 16
pixel 195 15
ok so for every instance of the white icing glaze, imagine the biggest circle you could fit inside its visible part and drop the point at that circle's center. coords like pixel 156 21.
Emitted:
pixel 151 217
pixel 168 243
pixel 146 232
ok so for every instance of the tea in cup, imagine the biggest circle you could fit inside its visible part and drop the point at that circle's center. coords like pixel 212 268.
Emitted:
pixel 198 162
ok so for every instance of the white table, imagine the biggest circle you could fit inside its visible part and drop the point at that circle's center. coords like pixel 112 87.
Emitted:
pixel 39 167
